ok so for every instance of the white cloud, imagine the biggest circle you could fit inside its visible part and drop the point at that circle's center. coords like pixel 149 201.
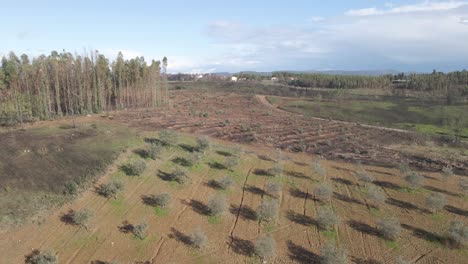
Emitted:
pixel 427 6
pixel 414 37
pixel 127 54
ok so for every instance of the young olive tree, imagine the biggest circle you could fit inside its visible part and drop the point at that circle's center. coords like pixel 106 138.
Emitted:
pixel 414 180
pixel 217 205
pixel 38 257
pixel 268 210
pixel 203 144
pixel 198 239
pixel 458 233
pixel 110 189
pixel 436 201
pixel 331 254
pixel 225 183
pixel 155 150
pixel 81 217
pixel 326 218
pixel 168 137
pixel 323 192
pixel 265 247
pixel 390 228
pixel 140 230
pixel 376 195
pixel 273 189
pixel 135 167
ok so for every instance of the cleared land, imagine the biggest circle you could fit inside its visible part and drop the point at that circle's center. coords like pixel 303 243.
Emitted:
pixel 238 118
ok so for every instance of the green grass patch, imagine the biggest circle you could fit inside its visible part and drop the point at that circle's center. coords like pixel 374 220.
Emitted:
pixel 438 217
pixel 330 234
pixel 268 227
pixel 391 244
pixel 375 211
pixel 161 211
pixel 214 219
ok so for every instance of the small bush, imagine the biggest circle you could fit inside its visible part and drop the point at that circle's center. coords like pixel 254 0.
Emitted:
pixel 323 192
pixel 364 176
pixel 390 228
pixel 154 150
pixel 38 257
pixel 414 180
pixel 463 185
pixel 110 189
pixel 458 233
pixel 375 195
pixel 447 171
pixel 404 168
pixel 180 175
pixel 135 168
pixel 203 144
pixel 436 201
pixel 318 168
pixel 326 218
pixel 231 162
pixel 331 254
pixel 217 205
pixel 161 200
pixel 81 217
pixel 276 170
pixel 198 238
pixel 265 247
pixel 70 188
pixel 268 210
pixel 168 137
pixel 273 189
pixel 140 230
pixel 225 182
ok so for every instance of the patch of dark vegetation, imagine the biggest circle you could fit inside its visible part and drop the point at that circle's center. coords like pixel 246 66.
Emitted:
pixel 39 257
pixel 182 162
pixel 216 165
pixel 187 147
pixel 143 153
pixel 261 172
pixel 224 153
pixel 78 218
pixel 300 254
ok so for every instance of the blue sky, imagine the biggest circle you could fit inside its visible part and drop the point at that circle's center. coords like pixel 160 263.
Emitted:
pixel 214 36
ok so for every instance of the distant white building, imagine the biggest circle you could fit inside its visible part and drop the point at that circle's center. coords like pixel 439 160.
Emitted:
pixel 275 79
pixel 234 78
pixel 199 76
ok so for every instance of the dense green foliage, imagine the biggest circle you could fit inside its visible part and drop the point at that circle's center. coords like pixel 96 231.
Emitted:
pixel 64 84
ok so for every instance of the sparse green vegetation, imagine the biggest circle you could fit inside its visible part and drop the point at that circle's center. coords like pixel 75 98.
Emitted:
pixel 168 137
pixel 135 167
pixel 110 189
pixel 38 257
pixel 81 217
pixel 265 247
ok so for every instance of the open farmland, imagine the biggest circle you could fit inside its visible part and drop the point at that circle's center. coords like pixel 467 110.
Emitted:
pixel 232 235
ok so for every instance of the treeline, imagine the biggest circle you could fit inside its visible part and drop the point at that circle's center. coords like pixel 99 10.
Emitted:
pixel 435 82
pixel 59 84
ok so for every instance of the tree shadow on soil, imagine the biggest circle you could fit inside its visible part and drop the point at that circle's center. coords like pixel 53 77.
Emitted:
pixel 423 234
pixel 435 189
pixel 347 199
pixel 295 192
pixel 265 158
pixel 126 227
pixel 213 184
pixel 364 228
pixel 67 218
pixel 302 255
pixel 148 200
pixel 301 219
pixel 154 141
pixel 164 175
pixel 224 153
pixel 216 165
pixel 406 205
pixel 187 147
pixel 179 236
pixel 261 172
pixel 246 212
pixel 242 246
pixel 143 153
pixel 456 210
pixel 296 174
pixel 182 162
pixel 255 190
pixel 198 207
pixel 388 185
pixel 343 181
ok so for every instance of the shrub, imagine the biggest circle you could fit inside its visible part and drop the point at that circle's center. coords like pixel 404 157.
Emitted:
pixel 390 228
pixel 267 210
pixel 168 137
pixel 135 168
pixel 140 230
pixel 332 254
pixel 203 144
pixel 198 238
pixel 364 176
pixel 231 162
pixel 273 189
pixel 70 188
pixel 447 171
pixel 38 257
pixel 436 201
pixel 180 175
pixel 323 192
pixel 458 233
pixel 217 205
pixel 326 218
pixel 225 182
pixel 110 189
pixel 194 158
pixel 161 200
pixel 81 217
pixel 415 180
pixel 276 170
pixel 404 168
pixel 318 168
pixel 376 195
pixel 154 150
pixel 463 184
pixel 265 247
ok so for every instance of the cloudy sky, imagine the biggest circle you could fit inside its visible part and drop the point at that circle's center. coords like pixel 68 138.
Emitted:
pixel 215 36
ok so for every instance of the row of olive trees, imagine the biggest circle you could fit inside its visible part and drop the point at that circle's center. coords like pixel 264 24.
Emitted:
pixel 65 84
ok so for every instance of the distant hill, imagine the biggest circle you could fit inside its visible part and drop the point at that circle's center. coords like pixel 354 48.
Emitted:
pixel 331 72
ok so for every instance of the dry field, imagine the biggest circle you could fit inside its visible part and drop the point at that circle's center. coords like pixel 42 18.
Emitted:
pixel 231 236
